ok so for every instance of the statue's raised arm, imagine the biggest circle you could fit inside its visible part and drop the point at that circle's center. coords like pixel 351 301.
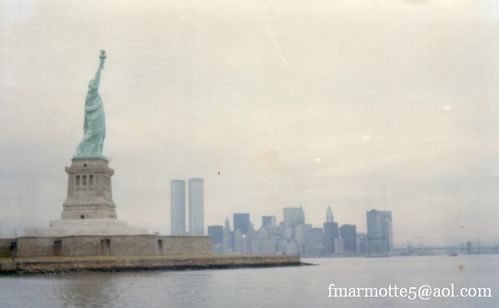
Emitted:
pixel 96 80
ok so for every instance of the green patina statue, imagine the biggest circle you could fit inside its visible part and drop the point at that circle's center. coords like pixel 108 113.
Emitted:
pixel 95 122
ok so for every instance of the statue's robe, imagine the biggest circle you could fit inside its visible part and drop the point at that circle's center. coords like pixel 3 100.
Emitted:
pixel 94 125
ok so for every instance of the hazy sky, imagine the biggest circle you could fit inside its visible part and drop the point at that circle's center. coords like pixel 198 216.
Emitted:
pixel 384 104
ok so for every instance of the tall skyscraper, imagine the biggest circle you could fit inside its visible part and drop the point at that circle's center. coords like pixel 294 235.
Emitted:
pixel 227 224
pixel 196 206
pixel 228 237
pixel 177 207
pixel 379 232
pixel 314 239
pixel 269 222
pixel 293 216
pixel 329 215
pixel 217 234
pixel 349 235
pixel 330 236
pixel 242 222
pixel 217 238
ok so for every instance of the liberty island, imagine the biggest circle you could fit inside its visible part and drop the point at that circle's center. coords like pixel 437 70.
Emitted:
pixel 89 235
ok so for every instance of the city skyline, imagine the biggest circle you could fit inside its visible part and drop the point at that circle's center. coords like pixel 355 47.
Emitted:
pixel 293 104
pixel 294 235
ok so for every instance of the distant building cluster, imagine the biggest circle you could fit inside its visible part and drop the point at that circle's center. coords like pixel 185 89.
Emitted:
pixel 195 206
pixel 294 236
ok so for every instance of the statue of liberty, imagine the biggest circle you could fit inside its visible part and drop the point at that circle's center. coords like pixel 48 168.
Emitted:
pixel 94 127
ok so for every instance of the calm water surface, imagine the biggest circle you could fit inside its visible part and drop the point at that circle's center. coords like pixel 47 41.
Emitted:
pixel 304 286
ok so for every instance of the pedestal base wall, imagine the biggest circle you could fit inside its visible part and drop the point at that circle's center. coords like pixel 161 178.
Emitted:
pixel 6 246
pixel 114 245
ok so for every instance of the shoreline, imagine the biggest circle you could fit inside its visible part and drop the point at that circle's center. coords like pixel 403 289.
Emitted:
pixel 46 265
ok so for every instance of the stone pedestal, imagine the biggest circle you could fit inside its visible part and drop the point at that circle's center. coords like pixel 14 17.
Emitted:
pixel 89 208
pixel 89 193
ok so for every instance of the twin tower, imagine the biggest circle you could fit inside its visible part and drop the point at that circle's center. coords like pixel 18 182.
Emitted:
pixel 196 207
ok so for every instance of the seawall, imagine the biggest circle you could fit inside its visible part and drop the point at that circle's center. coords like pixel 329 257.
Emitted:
pixel 137 263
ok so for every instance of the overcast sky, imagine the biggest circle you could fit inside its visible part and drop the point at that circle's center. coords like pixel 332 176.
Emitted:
pixel 384 104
